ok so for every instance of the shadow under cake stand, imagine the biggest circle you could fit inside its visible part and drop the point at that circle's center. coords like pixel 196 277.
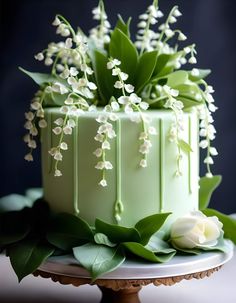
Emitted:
pixel 123 284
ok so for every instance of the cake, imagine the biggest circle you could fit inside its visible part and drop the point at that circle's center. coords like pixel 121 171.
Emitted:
pixel 120 125
pixel 141 192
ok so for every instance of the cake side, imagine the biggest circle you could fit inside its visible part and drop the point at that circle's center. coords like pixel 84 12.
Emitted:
pixel 141 191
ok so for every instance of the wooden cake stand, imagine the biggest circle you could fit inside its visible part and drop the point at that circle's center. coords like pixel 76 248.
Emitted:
pixel 124 284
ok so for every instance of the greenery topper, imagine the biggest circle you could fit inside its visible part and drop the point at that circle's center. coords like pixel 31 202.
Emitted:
pixel 108 69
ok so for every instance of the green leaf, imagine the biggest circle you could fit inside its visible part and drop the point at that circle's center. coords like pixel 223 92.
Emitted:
pixel 207 187
pixel 54 99
pixel 184 146
pixel 122 48
pixel 34 193
pixel 150 225
pixel 158 245
pixel 39 78
pixel 124 27
pixel 13 227
pixel 188 101
pixel 203 73
pixel 192 251
pixel 117 234
pixel 177 78
pixel 229 224
pixel 103 76
pixel 161 62
pixel 98 259
pixel 145 69
pixel 142 252
pixel 100 238
pixel 67 231
pixel 189 93
pixel 27 255
pixel 14 202
pixel 167 64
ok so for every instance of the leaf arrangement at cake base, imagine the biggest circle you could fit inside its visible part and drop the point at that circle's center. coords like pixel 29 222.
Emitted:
pixel 38 233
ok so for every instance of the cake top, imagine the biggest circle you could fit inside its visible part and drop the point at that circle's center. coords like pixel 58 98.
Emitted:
pixel 107 69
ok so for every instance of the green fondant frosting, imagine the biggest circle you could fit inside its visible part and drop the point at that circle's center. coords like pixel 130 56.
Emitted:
pixel 119 207
pixel 161 155
pixel 132 192
pixel 76 181
pixel 189 154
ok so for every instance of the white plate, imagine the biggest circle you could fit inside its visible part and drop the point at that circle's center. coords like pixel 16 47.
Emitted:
pixel 179 265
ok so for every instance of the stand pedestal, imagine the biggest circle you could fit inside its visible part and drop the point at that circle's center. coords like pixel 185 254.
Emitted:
pixel 123 291
pixel 124 284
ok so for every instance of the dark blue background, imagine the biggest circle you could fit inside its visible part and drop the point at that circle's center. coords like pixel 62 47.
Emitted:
pixel 25 29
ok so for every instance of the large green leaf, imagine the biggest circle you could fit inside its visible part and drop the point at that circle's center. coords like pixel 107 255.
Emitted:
pixel 167 64
pixel 203 73
pixel 14 202
pixel 117 234
pixel 207 187
pixel 34 193
pixel 98 259
pixel 122 48
pixel 177 78
pixel 228 222
pixel 54 99
pixel 104 79
pixel 67 231
pixel 124 27
pixel 13 227
pixel 27 255
pixel 103 239
pixel 157 245
pixel 150 225
pixel 139 250
pixel 39 78
pixel 161 62
pixel 189 89
pixel 184 146
pixel 146 66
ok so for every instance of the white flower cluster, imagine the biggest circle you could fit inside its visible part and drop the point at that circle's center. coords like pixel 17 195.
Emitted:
pixel 166 33
pixel 70 62
pixel 67 57
pixel 133 106
pixel 100 34
pixel 147 38
pixel 64 127
pixel 104 134
pixel 207 129
pixel 177 127
pixel 35 115
pixel 150 40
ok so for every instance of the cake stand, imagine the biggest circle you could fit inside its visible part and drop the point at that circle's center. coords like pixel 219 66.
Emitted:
pixel 123 284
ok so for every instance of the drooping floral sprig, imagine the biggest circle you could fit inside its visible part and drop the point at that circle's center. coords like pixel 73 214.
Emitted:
pixel 147 38
pixel 177 127
pixel 207 129
pixel 134 107
pixel 100 34
pixel 34 120
pixel 104 134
